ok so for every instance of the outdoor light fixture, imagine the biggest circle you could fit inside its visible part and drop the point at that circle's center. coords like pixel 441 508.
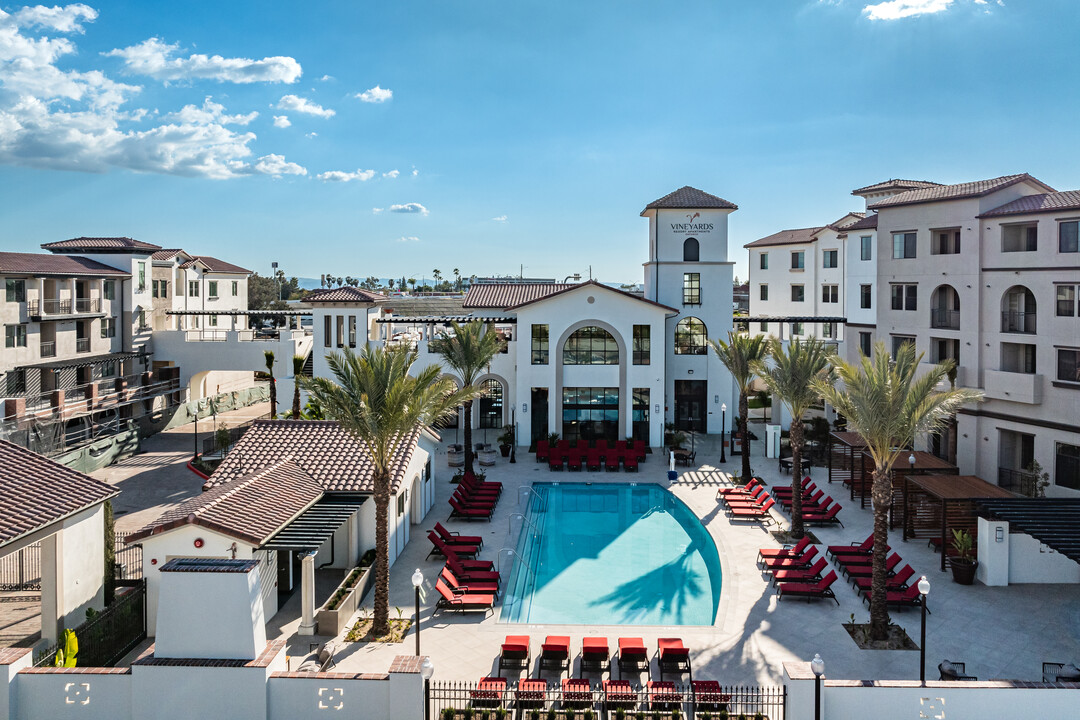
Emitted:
pixel 818 666
pixel 723 432
pixel 199 542
pixel 427 669
pixel 417 581
pixel 911 460
pixel 999 534
pixel 524 407
pixel 924 590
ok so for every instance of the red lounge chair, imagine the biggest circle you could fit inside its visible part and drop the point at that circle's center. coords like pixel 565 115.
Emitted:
pixel 820 589
pixel 611 460
pixel 745 497
pixel 632 655
pixel 674 657
pixel 809 500
pixel 638 450
pixel 556 461
pixel 478 489
pixel 469 477
pixel 595 656
pixel 661 695
pixel 575 460
pixel 908 597
pixel 531 693
pixel 630 462
pixel 467 576
pixel 896 582
pixel 592 459
pixel 807 486
pixel 576 691
pixel 456 538
pixel 543 450
pixel 555 653
pixel 472 587
pixel 816 518
pixel 708 696
pixel 466 513
pixel 489 692
pixel 744 490
pixel 619 694
pixel 461 566
pixel 867 569
pixel 785 552
pixel 463 602
pixel 853 549
pixel 469 500
pixel 514 654
pixel 761 513
pixel 751 503
pixel 474 493
pixel 441 547
pixel 810 574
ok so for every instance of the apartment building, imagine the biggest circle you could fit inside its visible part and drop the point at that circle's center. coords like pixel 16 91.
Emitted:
pixel 182 281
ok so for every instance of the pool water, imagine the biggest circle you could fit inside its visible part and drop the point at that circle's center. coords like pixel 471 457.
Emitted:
pixel 611 555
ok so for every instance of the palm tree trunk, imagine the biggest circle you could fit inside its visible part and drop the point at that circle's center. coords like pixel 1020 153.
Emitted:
pixel 468 436
pixel 879 610
pixel 796 478
pixel 744 418
pixel 296 399
pixel 273 398
pixel 380 624
pixel 953 427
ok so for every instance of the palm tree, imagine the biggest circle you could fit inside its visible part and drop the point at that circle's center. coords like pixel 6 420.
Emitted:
pixel 467 349
pixel 790 377
pixel 373 397
pixel 297 371
pixel 888 406
pixel 739 354
pixel 412 281
pixel 268 355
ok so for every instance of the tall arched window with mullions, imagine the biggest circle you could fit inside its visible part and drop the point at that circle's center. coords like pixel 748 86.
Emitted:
pixel 691 250
pixel 591 345
pixel 491 404
pixel 691 337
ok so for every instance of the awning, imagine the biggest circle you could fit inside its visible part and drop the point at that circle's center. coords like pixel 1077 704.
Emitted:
pixel 315 525
pixel 88 360
pixel 242 313
pixel 1052 521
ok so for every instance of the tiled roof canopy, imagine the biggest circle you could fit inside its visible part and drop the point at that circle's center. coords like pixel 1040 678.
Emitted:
pixel 1048 202
pixel 599 285
pixel 957 192
pixel 251 507
pixel 35 491
pixel 113 244
pixel 867 223
pixel 344 295
pixel 690 198
pixel 321 448
pixel 168 254
pixel 895 184
pixel 504 295
pixel 787 237
pixel 214 265
pixel 67 265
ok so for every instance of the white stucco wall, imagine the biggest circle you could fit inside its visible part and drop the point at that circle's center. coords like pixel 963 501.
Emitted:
pixel 225 607
pixel 84 564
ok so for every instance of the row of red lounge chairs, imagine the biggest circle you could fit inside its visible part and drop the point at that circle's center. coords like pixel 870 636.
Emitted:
pixel 753 502
pixel 474 499
pixel 671 655
pixel 579 455
pixel 464 583
pixel 578 693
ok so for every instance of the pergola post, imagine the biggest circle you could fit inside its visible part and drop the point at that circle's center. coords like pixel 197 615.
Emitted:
pixel 307 594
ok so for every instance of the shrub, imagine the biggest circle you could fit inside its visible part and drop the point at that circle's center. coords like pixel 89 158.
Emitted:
pixel 467 713
pixel 448 713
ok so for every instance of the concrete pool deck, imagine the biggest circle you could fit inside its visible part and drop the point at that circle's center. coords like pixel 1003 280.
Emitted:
pixel 1000 632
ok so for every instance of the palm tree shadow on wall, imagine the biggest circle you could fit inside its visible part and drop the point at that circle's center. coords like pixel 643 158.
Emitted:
pixel 669 587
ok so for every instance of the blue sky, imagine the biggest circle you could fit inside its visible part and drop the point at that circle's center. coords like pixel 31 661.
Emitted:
pixel 383 139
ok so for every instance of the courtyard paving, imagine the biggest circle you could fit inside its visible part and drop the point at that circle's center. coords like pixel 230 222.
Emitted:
pixel 1004 632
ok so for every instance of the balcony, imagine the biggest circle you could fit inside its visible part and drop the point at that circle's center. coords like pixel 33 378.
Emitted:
pixel 48 348
pixel 82 345
pixel 942 319
pixel 961 376
pixel 1013 386
pixel 38 309
pixel 1013 321
pixel 1018 481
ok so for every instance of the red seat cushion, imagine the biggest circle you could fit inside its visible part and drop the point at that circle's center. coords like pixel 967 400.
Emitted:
pixel 594 645
pixel 632 645
pixel 516 643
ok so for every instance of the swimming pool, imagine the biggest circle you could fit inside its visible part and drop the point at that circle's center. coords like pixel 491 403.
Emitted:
pixel 611 555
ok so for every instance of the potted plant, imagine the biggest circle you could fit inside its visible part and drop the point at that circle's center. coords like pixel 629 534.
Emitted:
pixel 963 563
pixel 506 440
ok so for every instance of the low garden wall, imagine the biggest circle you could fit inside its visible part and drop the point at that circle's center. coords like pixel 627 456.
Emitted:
pixel 334 615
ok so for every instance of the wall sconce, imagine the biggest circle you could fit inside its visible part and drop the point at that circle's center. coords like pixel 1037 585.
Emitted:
pixel 198 542
pixel 715 399
pixel 999 534
pixel 656 408
pixel 689 372
pixel 524 407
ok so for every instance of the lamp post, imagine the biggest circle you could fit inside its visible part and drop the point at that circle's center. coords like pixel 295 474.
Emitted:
pixel 513 432
pixel 195 458
pixel 723 432
pixel 417 581
pixel 818 666
pixel 427 669
pixel 924 590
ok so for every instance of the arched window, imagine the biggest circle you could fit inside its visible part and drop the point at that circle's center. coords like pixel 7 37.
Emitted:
pixel 491 404
pixel 691 250
pixel 691 337
pixel 1018 310
pixel 945 308
pixel 591 345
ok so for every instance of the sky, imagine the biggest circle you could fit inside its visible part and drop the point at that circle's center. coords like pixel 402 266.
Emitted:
pixel 396 138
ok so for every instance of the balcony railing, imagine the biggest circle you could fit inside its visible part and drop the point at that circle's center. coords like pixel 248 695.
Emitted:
pixel 82 344
pixel 48 348
pixel 1018 481
pixel 1013 321
pixel 79 306
pixel 943 319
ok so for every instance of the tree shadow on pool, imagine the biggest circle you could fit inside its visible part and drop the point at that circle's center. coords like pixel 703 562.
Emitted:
pixel 668 588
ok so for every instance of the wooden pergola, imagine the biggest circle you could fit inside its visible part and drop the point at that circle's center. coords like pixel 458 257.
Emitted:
pixel 845 465
pixel 936 504
pixel 925 464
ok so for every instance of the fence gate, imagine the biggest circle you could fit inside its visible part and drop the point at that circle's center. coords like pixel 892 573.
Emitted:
pixel 21 570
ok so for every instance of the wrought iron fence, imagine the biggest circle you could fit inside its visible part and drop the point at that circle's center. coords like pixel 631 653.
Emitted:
pixel 21 570
pixel 128 559
pixel 111 634
pixel 512 699
pixel 1018 481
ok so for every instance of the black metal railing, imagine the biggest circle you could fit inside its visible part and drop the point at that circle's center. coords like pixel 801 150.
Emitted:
pixel 1018 481
pixel 1013 321
pixel 48 348
pixel 53 306
pixel 943 319
pixel 524 700
pixel 82 345
pixel 111 634
pixel 21 570
pixel 127 559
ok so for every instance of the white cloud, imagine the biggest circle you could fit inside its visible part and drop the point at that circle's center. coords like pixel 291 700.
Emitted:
pixel 415 172
pixel 375 95
pixel 326 78
pixel 376 211
pixel 311 135
pixel 391 174
pixel 897 9
pixel 275 165
pixel 409 238
pixel 341 176
pixel 63 19
pixel 303 105
pixel 210 112
pixel 409 209
pixel 500 219
pixel 281 121
pixel 153 58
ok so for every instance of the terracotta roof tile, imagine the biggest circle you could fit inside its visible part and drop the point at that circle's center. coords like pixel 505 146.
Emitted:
pixel 690 198
pixel 867 223
pixel 956 192
pixel 344 295
pixel 504 295
pixel 594 283
pixel 895 184
pixel 101 243
pixel 321 448
pixel 214 265
pixel 168 254
pixel 35 491
pixel 1048 202
pixel 788 237
pixel 67 265
pixel 250 507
